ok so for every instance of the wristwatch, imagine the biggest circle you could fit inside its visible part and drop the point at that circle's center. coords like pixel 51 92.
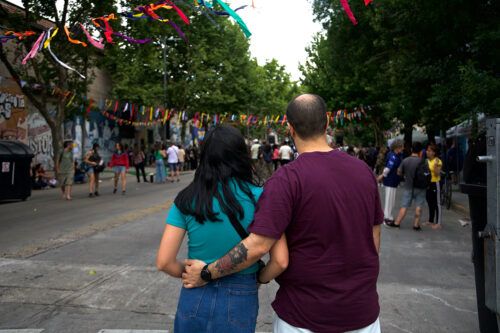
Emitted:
pixel 205 274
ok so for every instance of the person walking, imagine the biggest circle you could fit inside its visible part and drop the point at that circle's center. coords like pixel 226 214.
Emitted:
pixel 182 159
pixel 225 195
pixel 120 164
pixel 173 161
pixel 391 179
pixel 159 155
pixel 411 193
pixel 139 160
pixel 327 203
pixel 276 157
pixel 93 162
pixel 434 191
pixel 286 153
pixel 66 169
pixel 267 157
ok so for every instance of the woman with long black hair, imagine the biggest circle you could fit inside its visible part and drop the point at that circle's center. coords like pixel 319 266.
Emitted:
pixel 214 210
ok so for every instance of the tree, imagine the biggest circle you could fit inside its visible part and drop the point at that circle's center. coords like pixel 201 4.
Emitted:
pixel 421 62
pixel 212 73
pixel 44 71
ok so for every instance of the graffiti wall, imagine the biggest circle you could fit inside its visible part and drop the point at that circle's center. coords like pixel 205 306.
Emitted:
pixel 13 117
pixel 40 140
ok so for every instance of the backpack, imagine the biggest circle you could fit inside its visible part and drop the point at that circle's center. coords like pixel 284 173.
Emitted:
pixel 423 177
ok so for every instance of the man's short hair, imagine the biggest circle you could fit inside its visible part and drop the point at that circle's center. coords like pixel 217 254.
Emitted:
pixel 416 147
pixel 397 144
pixel 307 115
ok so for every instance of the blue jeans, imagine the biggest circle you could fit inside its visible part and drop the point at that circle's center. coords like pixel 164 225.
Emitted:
pixel 227 305
pixel 160 171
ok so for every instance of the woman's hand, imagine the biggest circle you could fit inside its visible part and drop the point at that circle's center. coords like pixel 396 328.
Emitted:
pixel 278 262
pixel 191 278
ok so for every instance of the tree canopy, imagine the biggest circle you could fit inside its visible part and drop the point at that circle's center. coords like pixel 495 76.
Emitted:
pixel 421 62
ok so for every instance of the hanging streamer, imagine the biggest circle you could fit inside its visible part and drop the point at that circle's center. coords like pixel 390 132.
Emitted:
pixel 236 17
pixel 34 49
pixel 96 43
pixel 348 11
pixel 108 30
pixel 133 40
pixel 47 46
pixel 71 40
pixel 20 35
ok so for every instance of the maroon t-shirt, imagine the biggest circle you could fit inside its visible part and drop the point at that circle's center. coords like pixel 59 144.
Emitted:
pixel 327 204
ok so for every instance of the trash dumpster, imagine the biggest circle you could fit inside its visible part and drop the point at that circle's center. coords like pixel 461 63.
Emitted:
pixel 15 163
pixel 476 179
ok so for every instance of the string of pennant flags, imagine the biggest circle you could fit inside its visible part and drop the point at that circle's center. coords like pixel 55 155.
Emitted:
pixel 130 114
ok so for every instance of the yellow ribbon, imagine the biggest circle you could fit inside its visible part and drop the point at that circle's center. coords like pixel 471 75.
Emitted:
pixel 47 42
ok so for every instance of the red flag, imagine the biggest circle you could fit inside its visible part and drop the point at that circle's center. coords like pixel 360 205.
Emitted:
pixel 348 11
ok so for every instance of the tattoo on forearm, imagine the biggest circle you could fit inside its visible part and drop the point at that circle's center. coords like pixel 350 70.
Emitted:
pixel 231 260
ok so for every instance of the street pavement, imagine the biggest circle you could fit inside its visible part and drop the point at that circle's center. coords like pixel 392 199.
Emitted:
pixel 88 266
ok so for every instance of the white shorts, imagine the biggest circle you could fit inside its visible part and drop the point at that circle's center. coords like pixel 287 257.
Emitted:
pixel 281 326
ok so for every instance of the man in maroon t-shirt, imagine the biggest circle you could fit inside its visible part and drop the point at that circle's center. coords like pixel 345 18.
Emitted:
pixel 327 204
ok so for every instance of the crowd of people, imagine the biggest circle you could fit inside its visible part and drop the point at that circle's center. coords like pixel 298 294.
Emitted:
pixel 267 158
pixel 167 164
pixel 419 172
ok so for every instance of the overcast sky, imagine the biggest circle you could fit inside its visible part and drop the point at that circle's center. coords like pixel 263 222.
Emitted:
pixel 280 29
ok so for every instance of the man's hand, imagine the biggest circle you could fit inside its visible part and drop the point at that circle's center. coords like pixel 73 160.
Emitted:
pixel 380 178
pixel 191 277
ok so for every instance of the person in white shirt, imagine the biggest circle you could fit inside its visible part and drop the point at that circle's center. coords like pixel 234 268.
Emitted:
pixel 173 161
pixel 255 150
pixel 286 153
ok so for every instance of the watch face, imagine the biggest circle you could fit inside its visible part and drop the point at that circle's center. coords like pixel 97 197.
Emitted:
pixel 206 275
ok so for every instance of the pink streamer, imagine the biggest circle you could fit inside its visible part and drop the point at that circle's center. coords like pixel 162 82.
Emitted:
pixel 92 40
pixel 34 49
pixel 348 11
pixel 367 2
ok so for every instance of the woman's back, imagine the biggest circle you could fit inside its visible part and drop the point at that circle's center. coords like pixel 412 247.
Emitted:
pixel 221 196
pixel 212 239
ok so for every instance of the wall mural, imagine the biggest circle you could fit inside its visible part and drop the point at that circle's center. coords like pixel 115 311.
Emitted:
pixel 13 117
pixel 40 140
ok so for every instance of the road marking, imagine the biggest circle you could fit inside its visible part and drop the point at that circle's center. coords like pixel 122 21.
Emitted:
pixel 26 330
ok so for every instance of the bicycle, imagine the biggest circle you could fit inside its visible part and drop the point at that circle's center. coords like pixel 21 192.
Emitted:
pixel 446 190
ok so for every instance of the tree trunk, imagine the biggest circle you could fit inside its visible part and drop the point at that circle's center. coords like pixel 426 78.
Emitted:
pixel 431 134
pixel 57 140
pixel 408 131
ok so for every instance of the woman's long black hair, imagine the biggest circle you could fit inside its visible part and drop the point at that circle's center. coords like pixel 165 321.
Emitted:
pixel 224 159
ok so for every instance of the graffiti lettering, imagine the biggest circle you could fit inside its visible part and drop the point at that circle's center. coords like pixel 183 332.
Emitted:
pixel 8 102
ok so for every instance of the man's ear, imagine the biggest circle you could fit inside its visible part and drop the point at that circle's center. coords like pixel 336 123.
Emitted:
pixel 290 129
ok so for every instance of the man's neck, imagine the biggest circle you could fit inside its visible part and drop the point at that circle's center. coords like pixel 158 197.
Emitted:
pixel 314 145
pixel 414 154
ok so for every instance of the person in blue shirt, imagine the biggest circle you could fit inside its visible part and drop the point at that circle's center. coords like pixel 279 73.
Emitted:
pixel 391 179
pixel 220 200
